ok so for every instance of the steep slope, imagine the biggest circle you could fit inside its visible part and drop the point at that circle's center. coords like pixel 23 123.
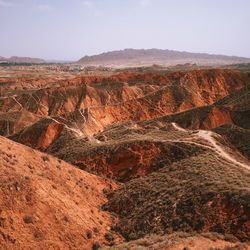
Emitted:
pixel 139 57
pixel 205 192
pixel 237 136
pixel 121 151
pixel 13 122
pixel 228 117
pixel 124 152
pixel 90 104
pixel 199 87
pixel 233 107
pixel 145 130
pixel 47 203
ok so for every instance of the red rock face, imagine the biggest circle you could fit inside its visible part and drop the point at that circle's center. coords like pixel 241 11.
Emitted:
pixel 149 95
pixel 40 135
pixel 13 122
pixel 211 85
pixel 141 129
pixel 130 159
pixel 47 136
pixel 216 118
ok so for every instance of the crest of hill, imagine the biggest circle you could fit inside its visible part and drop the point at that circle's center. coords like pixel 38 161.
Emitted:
pixel 135 57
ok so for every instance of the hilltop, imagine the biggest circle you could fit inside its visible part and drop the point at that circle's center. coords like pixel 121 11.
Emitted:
pixel 17 59
pixel 144 57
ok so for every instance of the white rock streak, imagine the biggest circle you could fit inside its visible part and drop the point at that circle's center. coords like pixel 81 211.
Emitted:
pixel 76 131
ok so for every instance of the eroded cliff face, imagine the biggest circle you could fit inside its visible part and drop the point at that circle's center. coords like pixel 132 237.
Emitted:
pixel 83 137
pixel 216 118
pixel 204 86
pixel 149 132
pixel 40 135
pixel 92 103
pixel 125 159
pixel 212 85
pixel 13 122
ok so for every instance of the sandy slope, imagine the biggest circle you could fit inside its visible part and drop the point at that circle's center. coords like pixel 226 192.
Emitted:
pixel 48 204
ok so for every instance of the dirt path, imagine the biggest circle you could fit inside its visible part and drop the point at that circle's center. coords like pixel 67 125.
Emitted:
pixel 76 131
pixel 209 137
pixel 177 127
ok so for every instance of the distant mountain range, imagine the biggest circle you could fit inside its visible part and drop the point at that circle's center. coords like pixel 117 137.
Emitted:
pixel 16 59
pixel 140 57
pixel 145 57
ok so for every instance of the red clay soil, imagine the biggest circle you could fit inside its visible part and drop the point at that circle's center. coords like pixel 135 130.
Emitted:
pixel 13 122
pixel 47 203
pixel 40 135
pixel 216 118
pixel 111 99
pixel 127 160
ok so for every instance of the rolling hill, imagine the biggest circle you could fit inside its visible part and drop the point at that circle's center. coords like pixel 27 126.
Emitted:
pixel 17 59
pixel 145 57
pixel 154 159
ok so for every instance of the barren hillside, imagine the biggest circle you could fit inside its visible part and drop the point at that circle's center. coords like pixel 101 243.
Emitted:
pixel 149 154
pixel 137 57
pixel 47 203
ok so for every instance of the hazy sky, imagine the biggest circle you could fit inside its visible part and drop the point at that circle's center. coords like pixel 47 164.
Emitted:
pixel 70 29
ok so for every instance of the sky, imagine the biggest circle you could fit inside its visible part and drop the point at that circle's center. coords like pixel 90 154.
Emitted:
pixel 70 29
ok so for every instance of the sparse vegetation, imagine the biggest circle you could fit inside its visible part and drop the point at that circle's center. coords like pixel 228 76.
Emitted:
pixel 89 234
pixel 119 125
pixel 45 158
pixel 96 246
pixel 28 219
pixel 189 196
pixel 109 236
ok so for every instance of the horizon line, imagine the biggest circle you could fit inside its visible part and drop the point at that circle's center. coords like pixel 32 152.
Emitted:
pixel 123 49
